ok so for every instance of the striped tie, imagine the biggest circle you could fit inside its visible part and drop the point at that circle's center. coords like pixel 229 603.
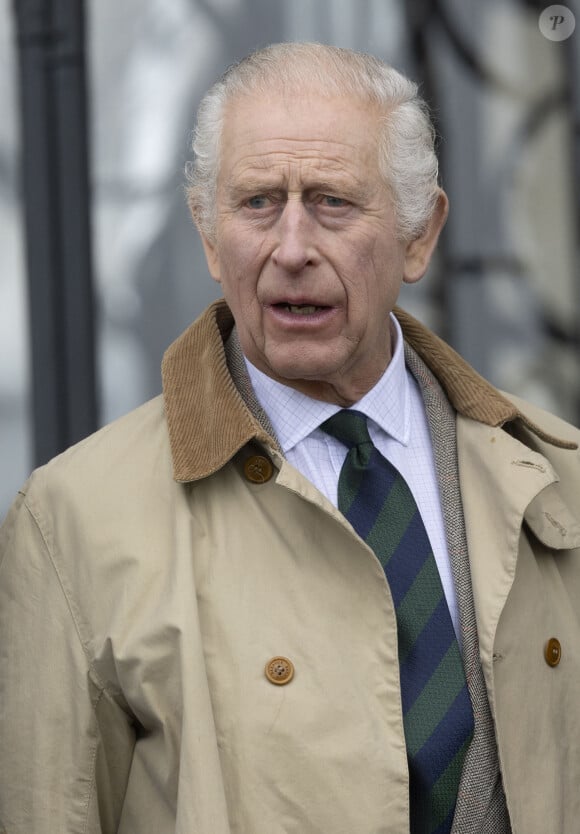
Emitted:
pixel 437 714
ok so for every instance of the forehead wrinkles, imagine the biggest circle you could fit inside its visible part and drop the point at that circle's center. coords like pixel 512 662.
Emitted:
pixel 287 163
pixel 288 160
pixel 268 138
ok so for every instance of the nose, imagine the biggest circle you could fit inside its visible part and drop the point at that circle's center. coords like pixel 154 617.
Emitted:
pixel 294 248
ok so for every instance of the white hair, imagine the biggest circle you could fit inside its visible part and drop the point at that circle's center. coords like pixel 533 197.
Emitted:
pixel 407 159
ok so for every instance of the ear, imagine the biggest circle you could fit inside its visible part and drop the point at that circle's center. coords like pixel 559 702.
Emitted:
pixel 208 241
pixel 419 251
pixel 211 256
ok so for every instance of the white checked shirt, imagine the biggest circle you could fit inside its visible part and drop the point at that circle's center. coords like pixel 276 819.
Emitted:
pixel 398 427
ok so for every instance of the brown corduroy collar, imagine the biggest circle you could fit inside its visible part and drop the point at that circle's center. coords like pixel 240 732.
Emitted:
pixel 209 422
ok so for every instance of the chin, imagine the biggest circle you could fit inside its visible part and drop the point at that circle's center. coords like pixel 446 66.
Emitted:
pixel 290 371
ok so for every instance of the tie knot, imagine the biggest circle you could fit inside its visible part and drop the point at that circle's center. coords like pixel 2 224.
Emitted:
pixel 349 427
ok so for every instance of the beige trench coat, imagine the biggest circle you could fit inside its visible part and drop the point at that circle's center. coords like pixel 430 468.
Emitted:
pixel 146 579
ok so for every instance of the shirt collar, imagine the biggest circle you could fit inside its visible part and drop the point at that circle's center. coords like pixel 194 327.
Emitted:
pixel 295 415
pixel 208 420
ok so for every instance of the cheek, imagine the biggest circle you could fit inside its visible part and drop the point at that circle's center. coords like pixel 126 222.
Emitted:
pixel 242 261
pixel 388 268
pixel 365 283
pixel 367 255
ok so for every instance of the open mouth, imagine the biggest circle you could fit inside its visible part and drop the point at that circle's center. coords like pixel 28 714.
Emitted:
pixel 301 309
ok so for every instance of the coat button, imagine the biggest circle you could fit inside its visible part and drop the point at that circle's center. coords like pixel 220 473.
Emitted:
pixel 553 652
pixel 279 670
pixel 258 469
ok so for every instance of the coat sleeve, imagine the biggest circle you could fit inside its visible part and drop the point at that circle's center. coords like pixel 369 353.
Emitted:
pixel 54 772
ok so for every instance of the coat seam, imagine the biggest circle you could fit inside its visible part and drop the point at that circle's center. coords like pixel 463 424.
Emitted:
pixel 38 523
pixel 93 763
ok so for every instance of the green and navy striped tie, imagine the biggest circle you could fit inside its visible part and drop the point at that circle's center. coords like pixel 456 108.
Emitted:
pixel 437 713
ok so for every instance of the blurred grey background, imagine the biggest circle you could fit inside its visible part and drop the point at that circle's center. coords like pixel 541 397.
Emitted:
pixel 505 287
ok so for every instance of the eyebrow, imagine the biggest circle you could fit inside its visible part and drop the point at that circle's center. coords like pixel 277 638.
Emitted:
pixel 259 184
pixel 339 184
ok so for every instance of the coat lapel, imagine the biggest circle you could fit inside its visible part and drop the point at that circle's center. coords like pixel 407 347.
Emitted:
pixel 503 482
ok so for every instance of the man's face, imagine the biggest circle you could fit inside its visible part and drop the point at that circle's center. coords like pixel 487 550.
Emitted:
pixel 306 248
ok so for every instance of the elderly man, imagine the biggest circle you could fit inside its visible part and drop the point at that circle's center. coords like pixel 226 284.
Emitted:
pixel 330 581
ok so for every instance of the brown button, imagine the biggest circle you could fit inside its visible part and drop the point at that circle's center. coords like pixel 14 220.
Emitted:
pixel 553 652
pixel 279 670
pixel 258 469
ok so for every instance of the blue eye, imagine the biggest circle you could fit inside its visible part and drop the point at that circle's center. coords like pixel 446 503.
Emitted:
pixel 257 202
pixel 334 202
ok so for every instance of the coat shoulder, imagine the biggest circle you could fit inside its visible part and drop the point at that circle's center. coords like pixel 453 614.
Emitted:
pixel 116 442
pixel 119 460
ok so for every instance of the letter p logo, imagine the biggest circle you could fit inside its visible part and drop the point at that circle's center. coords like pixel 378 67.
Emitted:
pixel 557 23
